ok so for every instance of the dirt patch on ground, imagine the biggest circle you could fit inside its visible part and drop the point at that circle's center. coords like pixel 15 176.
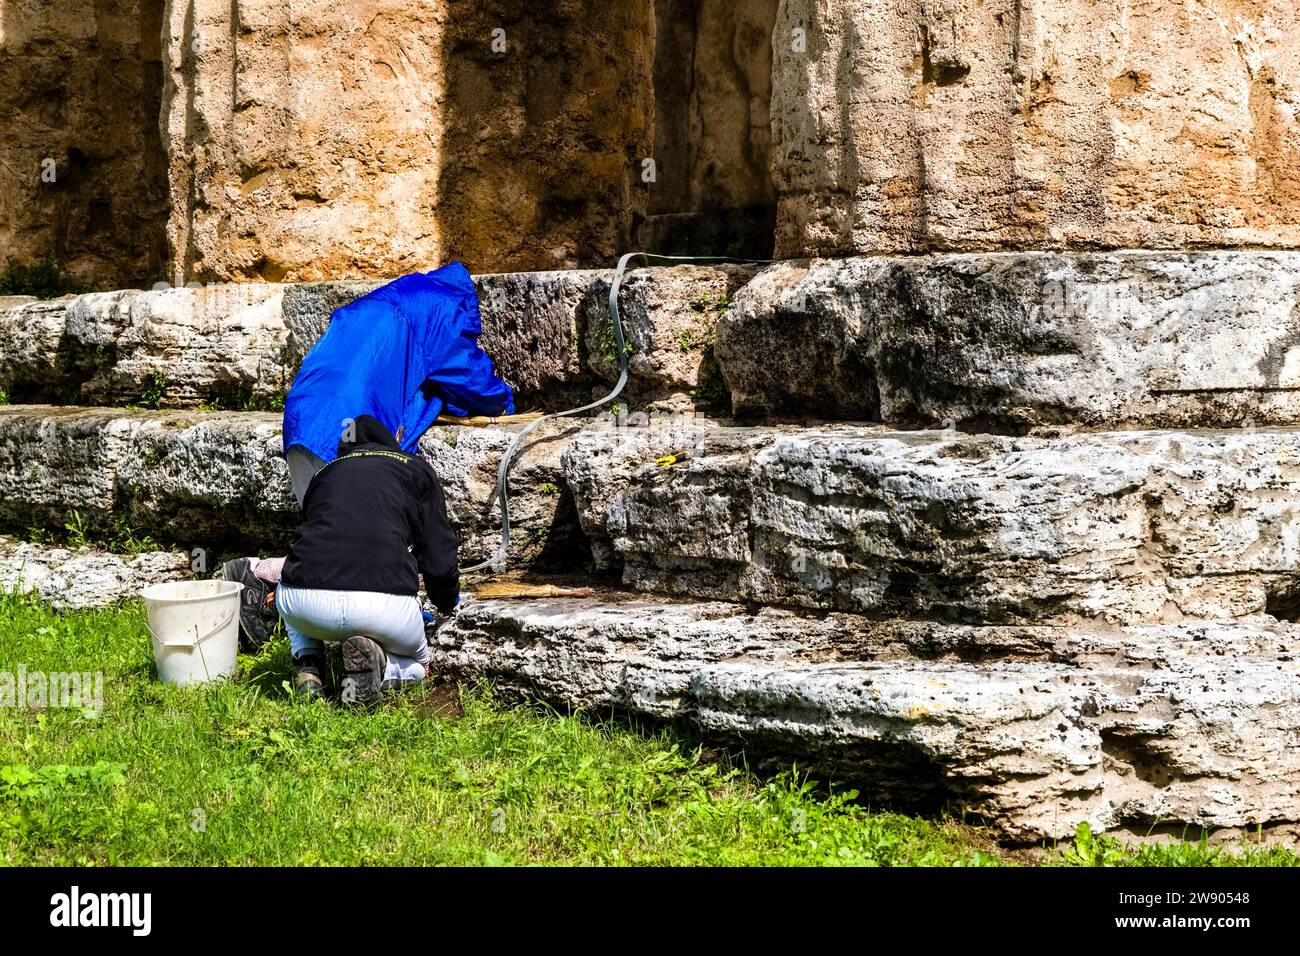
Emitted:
pixel 440 699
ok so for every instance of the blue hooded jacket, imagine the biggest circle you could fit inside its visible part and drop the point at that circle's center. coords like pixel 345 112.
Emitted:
pixel 403 354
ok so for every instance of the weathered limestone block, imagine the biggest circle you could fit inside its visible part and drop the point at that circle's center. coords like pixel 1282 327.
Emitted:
pixel 85 577
pixel 306 311
pixel 910 125
pixel 41 359
pixel 1035 746
pixel 346 142
pixel 321 142
pixel 171 346
pixel 239 345
pixel 669 319
pixel 208 480
pixel 218 480
pixel 82 169
pixel 601 461
pixel 544 528
pixel 223 341
pixel 54 461
pixel 533 324
pixel 1125 526
pixel 1007 342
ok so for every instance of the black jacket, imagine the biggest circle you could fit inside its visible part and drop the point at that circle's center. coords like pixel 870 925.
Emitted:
pixel 374 518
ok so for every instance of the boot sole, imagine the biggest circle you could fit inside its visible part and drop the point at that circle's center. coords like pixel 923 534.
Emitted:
pixel 363 669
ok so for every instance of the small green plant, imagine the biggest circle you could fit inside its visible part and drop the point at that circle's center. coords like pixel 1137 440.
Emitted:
pixel 277 401
pixel 1092 849
pixel 126 540
pixel 240 400
pixel 712 388
pixel 154 391
pixel 76 527
pixel 4 397
pixel 549 488
pixel 707 303
pixel 607 344
pixel 38 535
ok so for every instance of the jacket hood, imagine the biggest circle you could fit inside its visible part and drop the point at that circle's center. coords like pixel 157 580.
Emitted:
pixel 367 430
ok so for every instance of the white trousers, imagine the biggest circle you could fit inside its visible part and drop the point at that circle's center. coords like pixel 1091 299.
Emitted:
pixel 393 621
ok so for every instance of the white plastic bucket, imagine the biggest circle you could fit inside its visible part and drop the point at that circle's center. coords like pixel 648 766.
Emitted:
pixel 195 629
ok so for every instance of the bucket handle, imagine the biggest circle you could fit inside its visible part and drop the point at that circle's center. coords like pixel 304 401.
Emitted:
pixel 197 640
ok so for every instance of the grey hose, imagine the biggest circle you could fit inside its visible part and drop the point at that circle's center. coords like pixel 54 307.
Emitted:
pixel 498 560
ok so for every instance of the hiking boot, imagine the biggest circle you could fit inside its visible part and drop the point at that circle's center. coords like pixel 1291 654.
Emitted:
pixel 364 663
pixel 308 676
pixel 257 614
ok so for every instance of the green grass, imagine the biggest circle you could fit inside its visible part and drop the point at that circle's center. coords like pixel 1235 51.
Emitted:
pixel 240 773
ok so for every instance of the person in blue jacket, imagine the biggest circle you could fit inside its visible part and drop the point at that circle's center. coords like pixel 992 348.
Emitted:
pixel 403 354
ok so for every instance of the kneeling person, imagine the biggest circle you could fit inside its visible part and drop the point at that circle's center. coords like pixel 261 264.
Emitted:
pixel 375 520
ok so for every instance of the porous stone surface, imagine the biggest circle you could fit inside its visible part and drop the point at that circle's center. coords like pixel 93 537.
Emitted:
pixel 223 342
pixel 1014 341
pixel 1125 526
pixel 218 479
pixel 547 118
pixel 914 126
pixel 533 324
pixel 669 318
pixel 322 133
pixel 306 310
pixel 239 344
pixel 544 530
pixel 1183 724
pixel 351 142
pixel 84 577
pixel 713 86
pixel 82 168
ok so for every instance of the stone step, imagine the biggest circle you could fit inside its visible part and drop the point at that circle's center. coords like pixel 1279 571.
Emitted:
pixel 84 577
pixel 240 344
pixel 1001 342
pixel 1011 341
pixel 218 481
pixel 1124 526
pixel 1192 724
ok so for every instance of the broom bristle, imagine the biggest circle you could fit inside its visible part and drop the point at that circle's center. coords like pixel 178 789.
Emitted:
pixel 482 421
pixel 508 590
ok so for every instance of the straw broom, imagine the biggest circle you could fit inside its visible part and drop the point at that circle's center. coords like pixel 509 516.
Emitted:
pixel 509 590
pixel 483 421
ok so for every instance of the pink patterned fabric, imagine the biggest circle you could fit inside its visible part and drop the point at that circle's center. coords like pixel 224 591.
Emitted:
pixel 268 569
